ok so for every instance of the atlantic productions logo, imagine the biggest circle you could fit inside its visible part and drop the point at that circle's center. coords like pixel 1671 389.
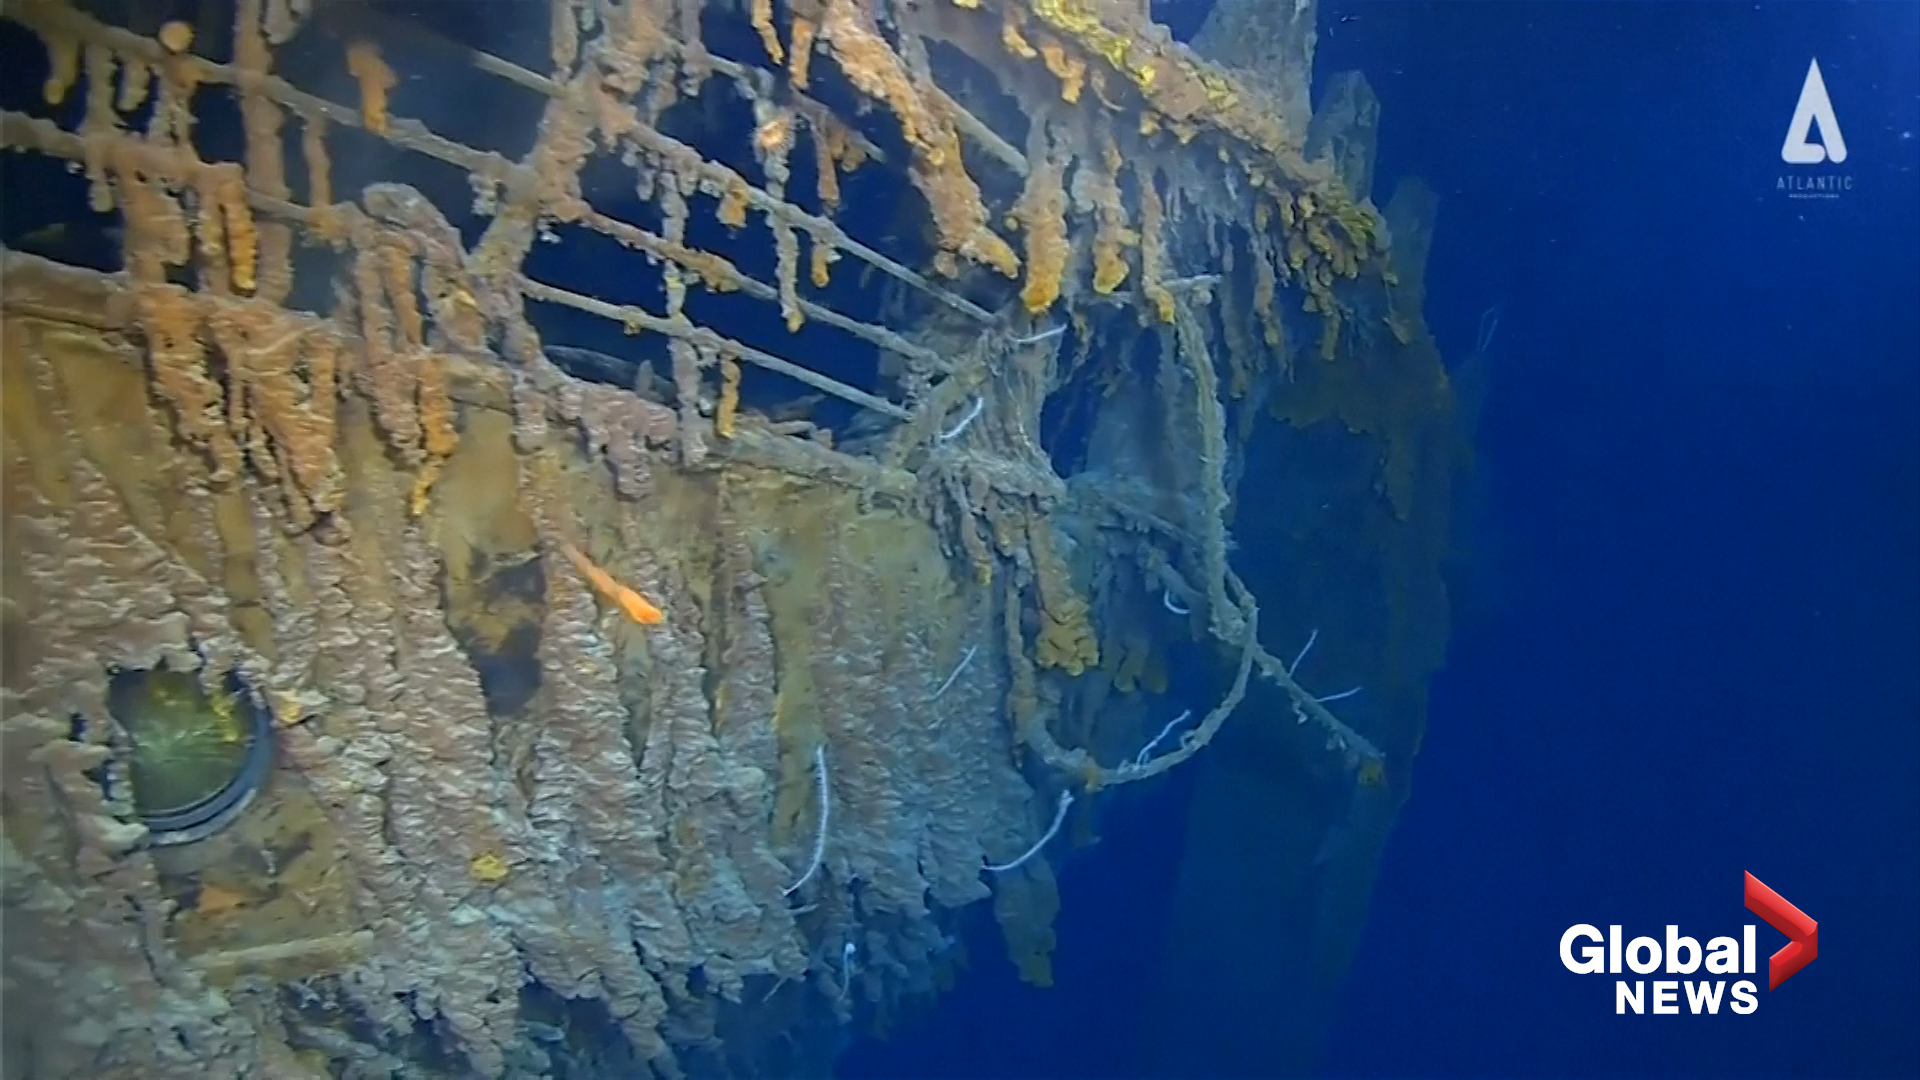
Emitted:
pixel 1815 147
pixel 1715 966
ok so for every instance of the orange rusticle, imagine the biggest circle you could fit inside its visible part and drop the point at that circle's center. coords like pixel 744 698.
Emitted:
pixel 630 603
pixel 375 79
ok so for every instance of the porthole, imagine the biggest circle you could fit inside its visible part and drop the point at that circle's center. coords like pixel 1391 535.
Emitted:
pixel 195 759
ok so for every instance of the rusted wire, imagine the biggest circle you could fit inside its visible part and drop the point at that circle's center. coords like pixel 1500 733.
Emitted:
pixel 410 134
pixel 688 330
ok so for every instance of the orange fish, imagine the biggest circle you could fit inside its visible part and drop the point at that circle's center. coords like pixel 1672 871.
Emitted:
pixel 632 603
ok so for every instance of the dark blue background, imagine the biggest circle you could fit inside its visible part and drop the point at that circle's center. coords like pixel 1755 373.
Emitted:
pixel 1702 448
pixel 1689 637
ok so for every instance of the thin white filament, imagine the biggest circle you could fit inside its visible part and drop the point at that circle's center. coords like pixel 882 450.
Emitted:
pixel 1146 752
pixel 957 669
pixel 1042 335
pixel 820 833
pixel 1059 815
pixel 978 404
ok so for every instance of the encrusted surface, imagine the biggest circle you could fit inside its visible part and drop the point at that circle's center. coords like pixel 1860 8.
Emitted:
pixel 612 830
pixel 626 721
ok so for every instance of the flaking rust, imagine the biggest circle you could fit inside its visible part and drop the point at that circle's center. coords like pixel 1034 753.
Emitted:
pixel 615 693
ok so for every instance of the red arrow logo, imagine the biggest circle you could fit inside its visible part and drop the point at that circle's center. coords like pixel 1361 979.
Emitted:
pixel 1803 933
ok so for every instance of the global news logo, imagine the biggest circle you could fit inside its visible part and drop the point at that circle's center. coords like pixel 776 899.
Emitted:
pixel 1584 951
pixel 1814 139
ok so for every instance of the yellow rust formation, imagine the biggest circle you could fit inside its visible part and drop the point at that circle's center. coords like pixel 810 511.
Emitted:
pixel 311 443
pixel 1042 213
pixel 375 80
pixel 1066 636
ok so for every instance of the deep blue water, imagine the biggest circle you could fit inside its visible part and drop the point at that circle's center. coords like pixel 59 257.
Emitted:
pixel 1689 641
pixel 1702 448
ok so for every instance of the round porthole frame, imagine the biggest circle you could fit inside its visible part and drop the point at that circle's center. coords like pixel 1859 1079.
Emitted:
pixel 204 817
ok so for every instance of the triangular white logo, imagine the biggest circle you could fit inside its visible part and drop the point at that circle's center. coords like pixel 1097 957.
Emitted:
pixel 1814 108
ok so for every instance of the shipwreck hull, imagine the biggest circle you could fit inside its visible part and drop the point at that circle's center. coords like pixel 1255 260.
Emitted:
pixel 395 689
pixel 481 774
